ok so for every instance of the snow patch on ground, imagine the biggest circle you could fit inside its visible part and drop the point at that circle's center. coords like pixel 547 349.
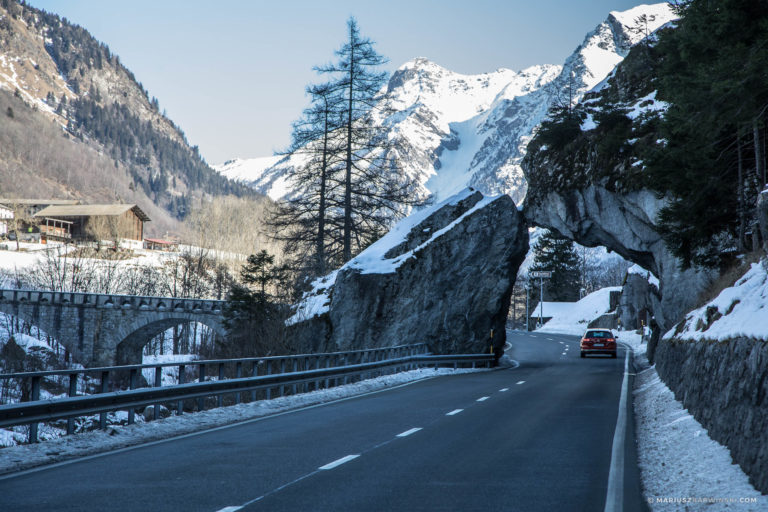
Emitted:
pixel 17 458
pixel 572 318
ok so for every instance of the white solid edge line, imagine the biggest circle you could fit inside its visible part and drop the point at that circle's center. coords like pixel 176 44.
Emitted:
pixel 409 432
pixel 453 412
pixel 614 499
pixel 339 462
pixel 482 399
pixel 229 509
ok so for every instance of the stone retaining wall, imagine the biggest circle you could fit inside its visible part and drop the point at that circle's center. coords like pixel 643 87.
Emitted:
pixel 724 386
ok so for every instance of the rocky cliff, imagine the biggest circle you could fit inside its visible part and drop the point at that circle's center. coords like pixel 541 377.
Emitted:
pixel 586 182
pixel 443 276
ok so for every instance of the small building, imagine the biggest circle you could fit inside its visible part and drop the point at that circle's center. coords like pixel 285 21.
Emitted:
pixel 114 222
pixel 156 244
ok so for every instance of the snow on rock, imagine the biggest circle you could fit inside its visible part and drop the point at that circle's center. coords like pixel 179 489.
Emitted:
pixel 738 311
pixel 442 276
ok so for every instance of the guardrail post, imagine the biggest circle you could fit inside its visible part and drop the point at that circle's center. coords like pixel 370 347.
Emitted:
pixel 201 401
pixel 35 396
pixel 132 385
pixel 238 374
pixel 182 380
pixel 295 388
pixel 73 392
pixel 269 372
pixel 104 389
pixel 220 398
pixel 255 373
pixel 158 383
pixel 282 370
pixel 327 365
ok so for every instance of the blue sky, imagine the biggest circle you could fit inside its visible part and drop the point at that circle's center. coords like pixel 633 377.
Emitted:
pixel 232 73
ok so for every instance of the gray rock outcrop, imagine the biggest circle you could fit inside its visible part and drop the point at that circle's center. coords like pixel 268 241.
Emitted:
pixel 624 223
pixel 637 302
pixel 447 283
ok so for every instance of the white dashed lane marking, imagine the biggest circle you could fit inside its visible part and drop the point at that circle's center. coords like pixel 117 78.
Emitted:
pixel 504 389
pixel 482 399
pixel 453 412
pixel 520 382
pixel 409 432
pixel 339 462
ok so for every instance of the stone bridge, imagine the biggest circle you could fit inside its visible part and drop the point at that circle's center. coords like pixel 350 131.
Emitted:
pixel 104 330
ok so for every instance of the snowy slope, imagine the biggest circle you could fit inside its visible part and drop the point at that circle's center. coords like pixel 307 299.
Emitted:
pixel 472 130
pixel 739 311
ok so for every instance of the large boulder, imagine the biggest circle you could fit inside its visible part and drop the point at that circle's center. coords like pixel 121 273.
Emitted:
pixel 442 276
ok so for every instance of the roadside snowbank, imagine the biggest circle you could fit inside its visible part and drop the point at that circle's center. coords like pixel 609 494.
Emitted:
pixel 681 467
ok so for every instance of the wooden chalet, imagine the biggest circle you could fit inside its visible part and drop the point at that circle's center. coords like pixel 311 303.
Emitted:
pixel 64 222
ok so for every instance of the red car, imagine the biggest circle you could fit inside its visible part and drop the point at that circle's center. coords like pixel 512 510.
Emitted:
pixel 598 341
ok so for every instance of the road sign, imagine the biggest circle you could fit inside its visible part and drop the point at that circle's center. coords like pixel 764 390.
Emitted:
pixel 546 274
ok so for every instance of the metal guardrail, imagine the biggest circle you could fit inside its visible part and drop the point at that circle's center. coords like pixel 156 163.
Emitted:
pixel 35 411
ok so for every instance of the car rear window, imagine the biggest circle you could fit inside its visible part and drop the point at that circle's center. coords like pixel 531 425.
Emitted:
pixel 598 334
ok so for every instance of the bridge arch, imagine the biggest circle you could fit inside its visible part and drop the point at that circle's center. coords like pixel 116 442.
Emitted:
pixel 132 337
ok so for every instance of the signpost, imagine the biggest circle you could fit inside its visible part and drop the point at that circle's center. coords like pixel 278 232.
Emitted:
pixel 542 275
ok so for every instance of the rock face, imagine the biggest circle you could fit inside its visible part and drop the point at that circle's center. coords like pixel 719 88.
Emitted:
pixel 444 278
pixel 623 223
pixel 724 386
pixel 638 300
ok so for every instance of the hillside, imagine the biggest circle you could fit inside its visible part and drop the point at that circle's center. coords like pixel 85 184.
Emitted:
pixel 80 125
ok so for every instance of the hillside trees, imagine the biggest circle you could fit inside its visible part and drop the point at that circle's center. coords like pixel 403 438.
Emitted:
pixel 352 186
pixel 714 72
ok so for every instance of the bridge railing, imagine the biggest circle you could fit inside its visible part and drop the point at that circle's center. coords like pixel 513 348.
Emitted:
pixel 246 379
pixel 114 300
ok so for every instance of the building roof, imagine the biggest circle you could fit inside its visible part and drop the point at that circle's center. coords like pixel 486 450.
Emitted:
pixel 91 210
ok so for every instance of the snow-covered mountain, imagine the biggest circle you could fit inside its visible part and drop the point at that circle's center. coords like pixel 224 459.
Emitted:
pixel 472 130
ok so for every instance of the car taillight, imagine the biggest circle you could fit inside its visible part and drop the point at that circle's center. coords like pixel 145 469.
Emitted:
pixel 610 340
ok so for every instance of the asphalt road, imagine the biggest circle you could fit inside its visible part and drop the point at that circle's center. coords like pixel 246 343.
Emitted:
pixel 536 437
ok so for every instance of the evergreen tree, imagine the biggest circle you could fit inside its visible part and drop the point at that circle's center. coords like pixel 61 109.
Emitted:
pixel 374 191
pixel 714 72
pixel 301 221
pixel 558 255
pixel 254 321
